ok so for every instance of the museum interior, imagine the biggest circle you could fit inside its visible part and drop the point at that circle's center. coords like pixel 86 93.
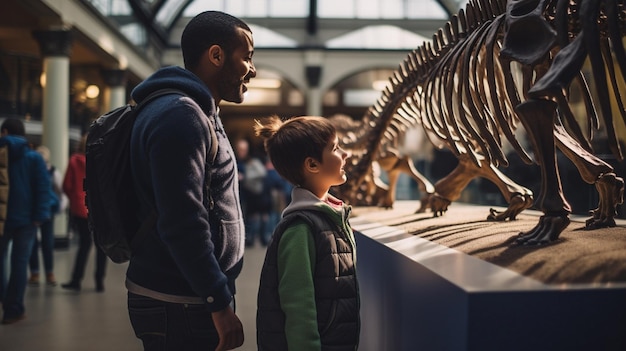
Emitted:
pixel 63 63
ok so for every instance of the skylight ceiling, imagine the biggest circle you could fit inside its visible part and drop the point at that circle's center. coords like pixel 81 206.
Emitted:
pixel 377 37
pixel 387 9
pixel 369 37
pixel 368 24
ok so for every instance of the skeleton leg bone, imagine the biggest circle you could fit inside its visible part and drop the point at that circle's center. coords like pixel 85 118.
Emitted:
pixel 538 117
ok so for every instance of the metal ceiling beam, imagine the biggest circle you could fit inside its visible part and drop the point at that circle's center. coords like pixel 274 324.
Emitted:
pixel 312 22
pixel 146 16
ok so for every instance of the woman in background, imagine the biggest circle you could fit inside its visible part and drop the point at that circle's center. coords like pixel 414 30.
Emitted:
pixel 73 188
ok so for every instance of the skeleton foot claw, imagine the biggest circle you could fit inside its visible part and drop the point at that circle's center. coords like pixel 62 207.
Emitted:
pixel 611 191
pixel 439 205
pixel 517 204
pixel 597 223
pixel 547 230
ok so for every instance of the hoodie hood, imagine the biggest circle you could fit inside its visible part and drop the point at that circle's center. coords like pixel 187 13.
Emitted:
pixel 302 199
pixel 18 146
pixel 174 77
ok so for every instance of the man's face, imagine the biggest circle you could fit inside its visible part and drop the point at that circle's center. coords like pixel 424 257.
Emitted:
pixel 238 69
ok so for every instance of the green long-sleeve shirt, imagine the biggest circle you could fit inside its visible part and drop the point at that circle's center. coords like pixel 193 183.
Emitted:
pixel 296 266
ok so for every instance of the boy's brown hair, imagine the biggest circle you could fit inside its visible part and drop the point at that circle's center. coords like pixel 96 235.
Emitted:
pixel 289 142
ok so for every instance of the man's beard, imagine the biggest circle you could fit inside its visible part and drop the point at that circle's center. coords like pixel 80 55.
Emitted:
pixel 231 88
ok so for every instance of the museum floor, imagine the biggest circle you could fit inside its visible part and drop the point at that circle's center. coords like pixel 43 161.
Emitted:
pixel 61 320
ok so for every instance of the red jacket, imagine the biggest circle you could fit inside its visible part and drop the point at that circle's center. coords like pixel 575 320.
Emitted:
pixel 73 185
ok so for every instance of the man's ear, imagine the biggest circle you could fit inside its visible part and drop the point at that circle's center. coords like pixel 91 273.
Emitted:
pixel 215 55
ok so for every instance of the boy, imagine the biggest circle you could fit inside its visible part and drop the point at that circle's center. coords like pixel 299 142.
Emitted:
pixel 308 294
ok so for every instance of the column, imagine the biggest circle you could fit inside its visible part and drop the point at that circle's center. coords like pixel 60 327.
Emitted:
pixel 115 91
pixel 313 72
pixel 55 45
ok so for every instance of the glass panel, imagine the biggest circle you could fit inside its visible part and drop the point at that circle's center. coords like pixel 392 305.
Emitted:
pixel 120 7
pixel 251 8
pixel 425 9
pixel 336 9
pixel 168 11
pixel 392 9
pixel 264 37
pixel 289 8
pixel 378 37
pixel 111 7
pixel 121 13
pixel 381 9
pixel 21 93
pixel 257 8
pixel 135 33
pixel 100 5
pixel 197 6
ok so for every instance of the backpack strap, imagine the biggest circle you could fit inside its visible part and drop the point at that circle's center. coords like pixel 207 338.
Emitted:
pixel 156 94
pixel 210 161
pixel 151 220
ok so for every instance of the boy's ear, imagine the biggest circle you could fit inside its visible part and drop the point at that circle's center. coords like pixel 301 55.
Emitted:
pixel 311 165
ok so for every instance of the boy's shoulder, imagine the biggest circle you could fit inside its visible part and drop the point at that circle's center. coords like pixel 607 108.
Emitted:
pixel 315 220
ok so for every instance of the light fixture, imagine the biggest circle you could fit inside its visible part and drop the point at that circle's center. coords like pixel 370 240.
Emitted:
pixel 380 85
pixel 264 83
pixel 92 91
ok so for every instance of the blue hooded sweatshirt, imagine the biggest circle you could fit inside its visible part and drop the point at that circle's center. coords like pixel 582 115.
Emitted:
pixel 194 253
pixel 29 184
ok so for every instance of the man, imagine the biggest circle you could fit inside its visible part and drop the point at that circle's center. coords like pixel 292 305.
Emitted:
pixel 181 279
pixel 28 206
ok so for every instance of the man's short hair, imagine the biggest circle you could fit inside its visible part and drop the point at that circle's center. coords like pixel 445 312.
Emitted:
pixel 13 126
pixel 207 29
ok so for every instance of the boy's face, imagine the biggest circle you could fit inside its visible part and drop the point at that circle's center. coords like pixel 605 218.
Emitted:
pixel 333 162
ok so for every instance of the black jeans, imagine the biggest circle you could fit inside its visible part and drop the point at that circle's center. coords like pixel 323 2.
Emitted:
pixel 85 242
pixel 165 326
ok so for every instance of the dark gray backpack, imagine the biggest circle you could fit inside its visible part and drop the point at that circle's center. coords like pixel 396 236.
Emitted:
pixel 111 199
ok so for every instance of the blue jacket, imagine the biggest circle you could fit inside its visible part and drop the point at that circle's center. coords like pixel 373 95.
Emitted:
pixel 194 251
pixel 29 184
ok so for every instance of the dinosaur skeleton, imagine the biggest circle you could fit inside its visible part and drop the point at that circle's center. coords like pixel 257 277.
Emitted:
pixel 494 67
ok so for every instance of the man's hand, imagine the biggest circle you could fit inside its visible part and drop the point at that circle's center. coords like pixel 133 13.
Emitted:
pixel 229 329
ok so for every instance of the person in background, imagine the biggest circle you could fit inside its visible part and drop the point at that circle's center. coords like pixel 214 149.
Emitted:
pixel 181 279
pixel 279 191
pixel 28 206
pixel 308 293
pixel 47 227
pixel 73 188
pixel 257 202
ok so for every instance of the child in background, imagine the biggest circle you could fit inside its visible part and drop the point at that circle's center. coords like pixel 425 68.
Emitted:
pixel 308 293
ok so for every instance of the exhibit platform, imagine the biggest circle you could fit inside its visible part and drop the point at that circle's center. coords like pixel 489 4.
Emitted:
pixel 459 282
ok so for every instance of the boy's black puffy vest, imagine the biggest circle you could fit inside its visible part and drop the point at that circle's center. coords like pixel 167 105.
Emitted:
pixel 336 288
